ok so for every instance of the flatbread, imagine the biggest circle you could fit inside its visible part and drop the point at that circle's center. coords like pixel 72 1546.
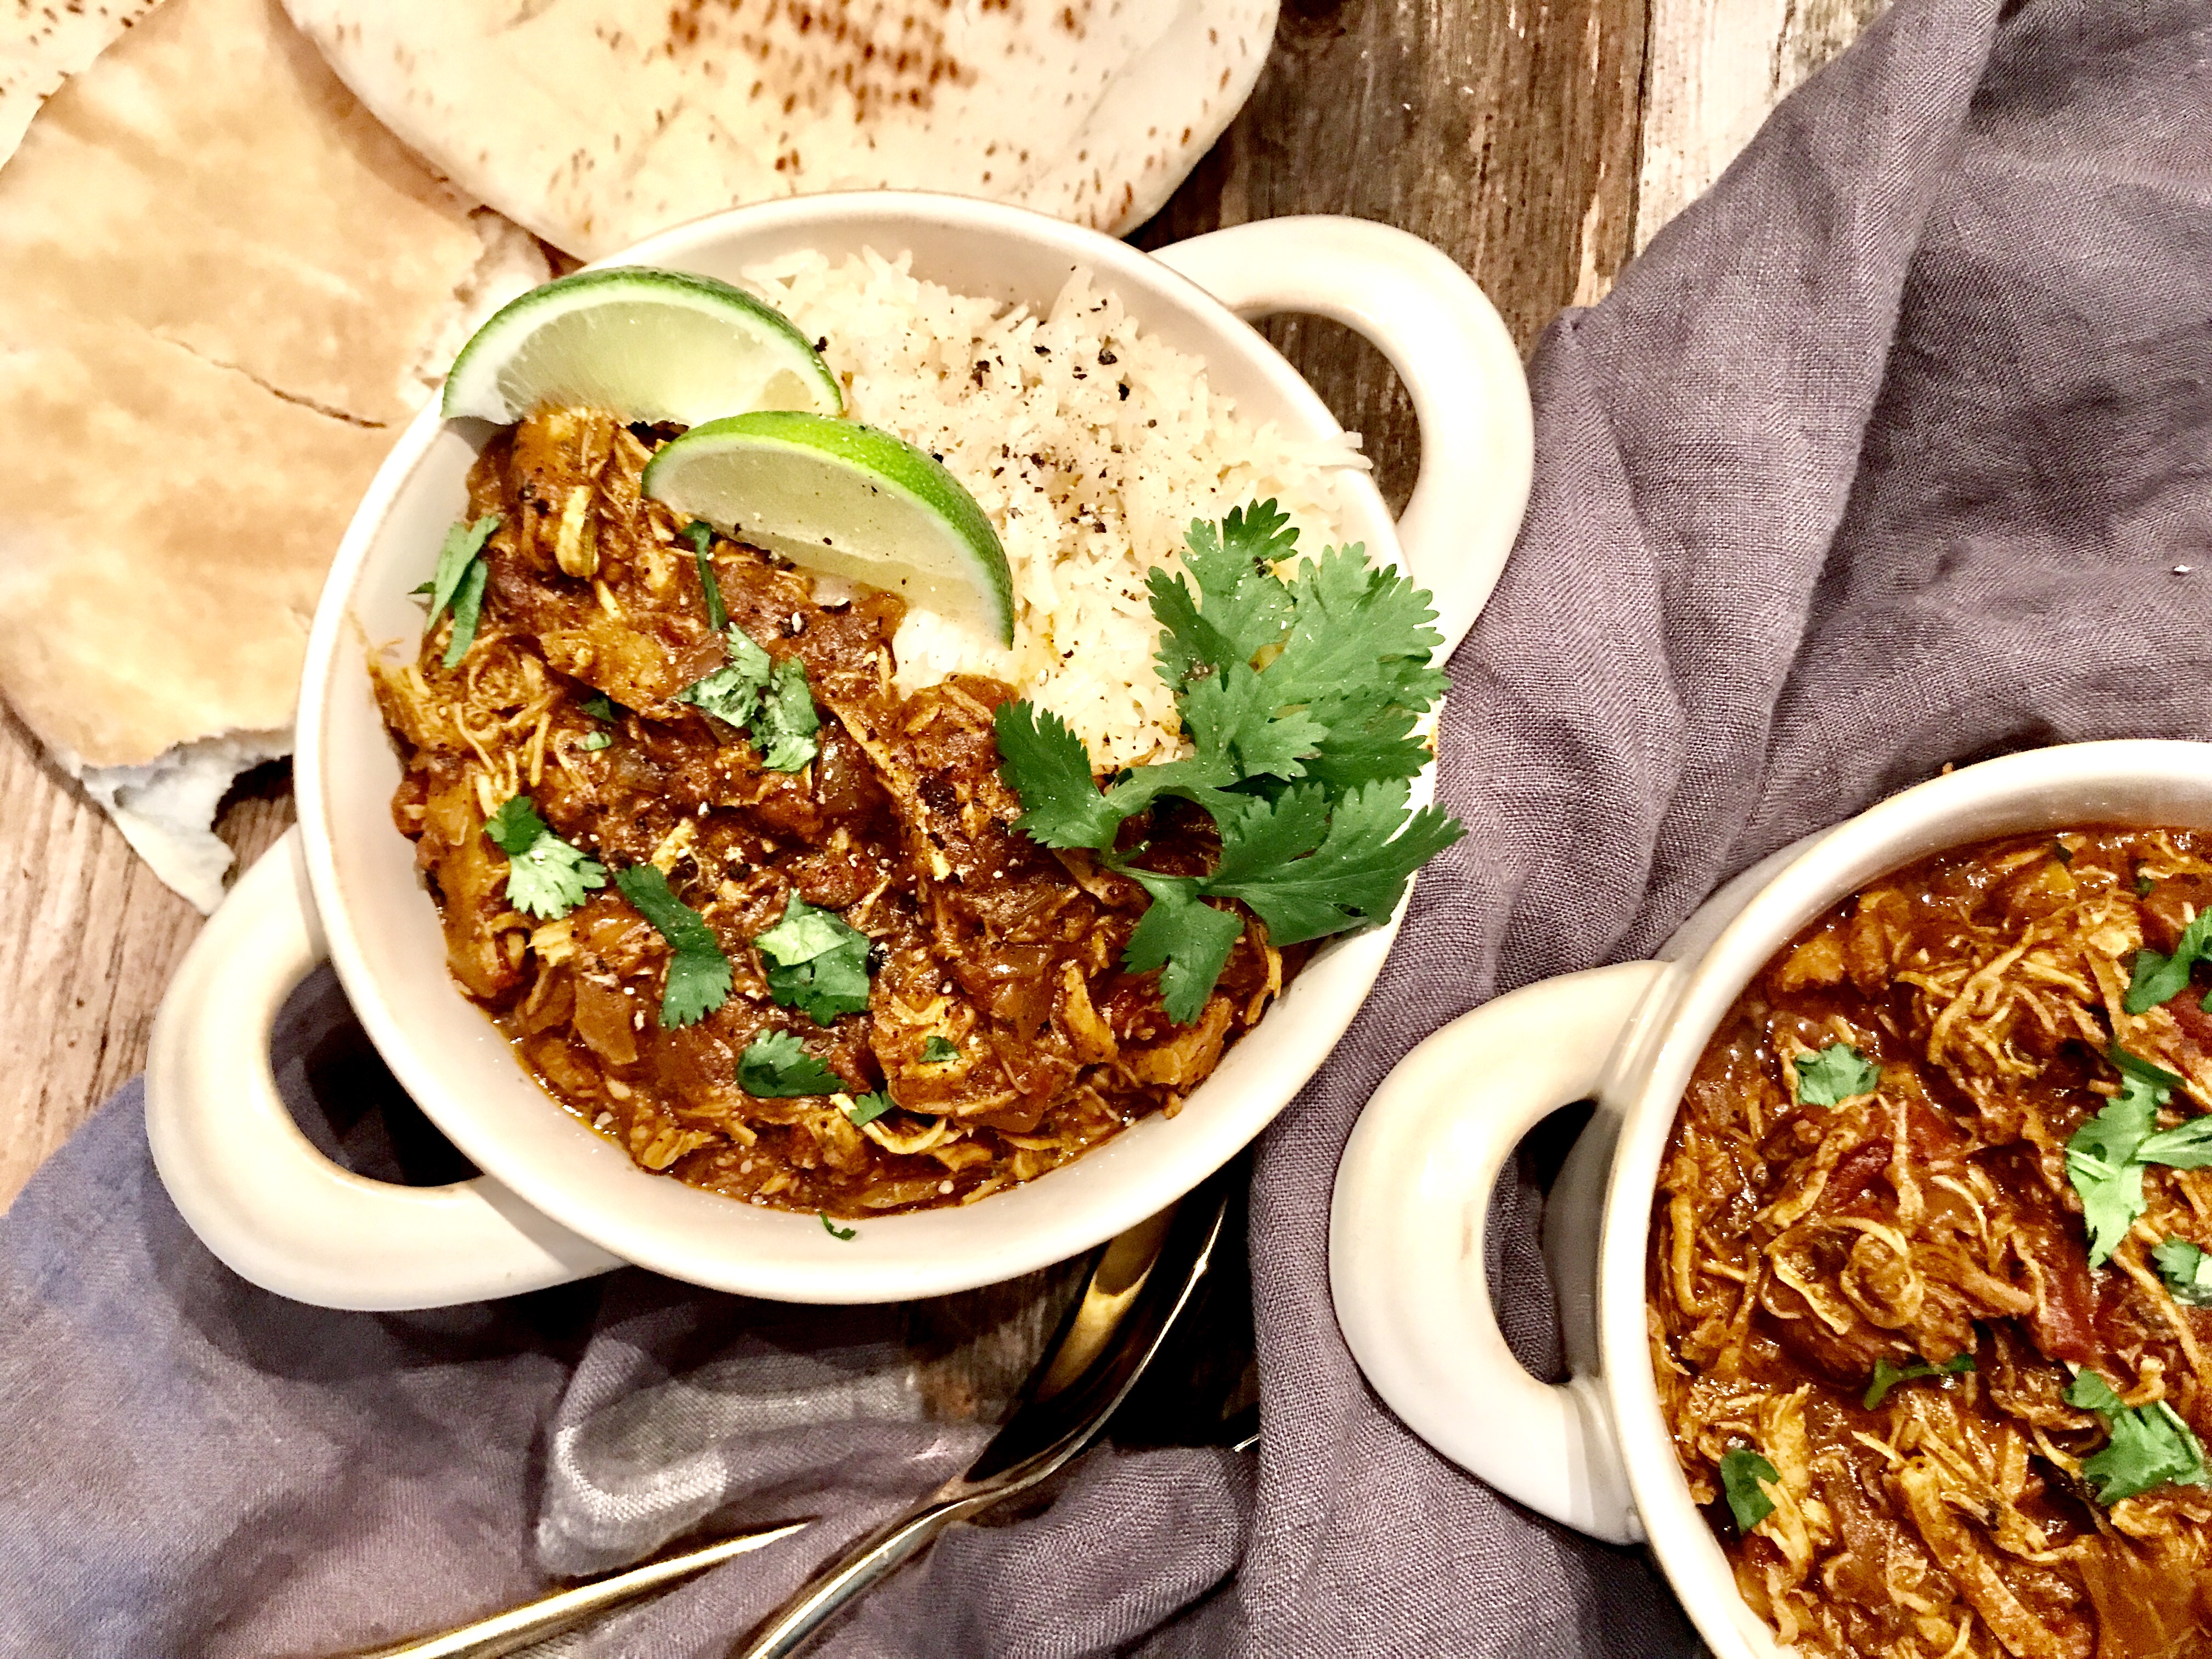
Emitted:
pixel 43 43
pixel 595 123
pixel 220 280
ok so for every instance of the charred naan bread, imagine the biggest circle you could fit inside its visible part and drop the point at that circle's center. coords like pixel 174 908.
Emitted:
pixel 223 285
pixel 595 123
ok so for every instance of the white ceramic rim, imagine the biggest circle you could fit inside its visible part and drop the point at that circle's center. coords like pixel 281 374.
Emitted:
pixel 671 1229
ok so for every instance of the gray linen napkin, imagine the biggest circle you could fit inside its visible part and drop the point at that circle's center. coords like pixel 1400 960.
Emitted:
pixel 1895 450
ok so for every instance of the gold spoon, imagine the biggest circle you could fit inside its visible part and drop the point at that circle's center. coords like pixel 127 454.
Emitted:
pixel 1139 1281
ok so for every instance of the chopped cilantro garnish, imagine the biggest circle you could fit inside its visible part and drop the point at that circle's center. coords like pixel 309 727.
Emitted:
pixel 1888 1376
pixel 866 1108
pixel 769 698
pixel 816 963
pixel 2147 1446
pixel 1299 698
pixel 937 1051
pixel 1838 1074
pixel 840 1234
pixel 2187 1271
pixel 2062 852
pixel 786 724
pixel 545 876
pixel 776 1066
pixel 2160 978
pixel 592 742
pixel 698 972
pixel 1742 1470
pixel 459 584
pixel 2143 884
pixel 701 535
pixel 2105 1158
pixel 603 708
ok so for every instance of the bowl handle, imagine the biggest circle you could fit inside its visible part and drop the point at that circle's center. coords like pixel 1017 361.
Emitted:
pixel 1448 345
pixel 1406 1244
pixel 255 1188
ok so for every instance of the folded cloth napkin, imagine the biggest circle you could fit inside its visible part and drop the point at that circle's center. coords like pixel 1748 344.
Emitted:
pixel 1894 451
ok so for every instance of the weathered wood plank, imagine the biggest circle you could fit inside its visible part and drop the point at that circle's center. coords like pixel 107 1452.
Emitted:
pixel 1717 68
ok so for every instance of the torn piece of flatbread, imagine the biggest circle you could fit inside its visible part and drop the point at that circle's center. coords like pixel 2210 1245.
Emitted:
pixel 222 286
pixel 595 123
pixel 43 43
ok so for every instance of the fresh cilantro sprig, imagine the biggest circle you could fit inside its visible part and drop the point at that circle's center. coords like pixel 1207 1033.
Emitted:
pixel 698 972
pixel 776 1066
pixel 459 584
pixel 2107 1156
pixel 1888 1376
pixel 842 1235
pixel 817 963
pixel 2187 1271
pixel 2147 1446
pixel 701 535
pixel 545 875
pixel 866 1108
pixel 1741 1471
pixel 769 698
pixel 1299 698
pixel 2158 979
pixel 1838 1074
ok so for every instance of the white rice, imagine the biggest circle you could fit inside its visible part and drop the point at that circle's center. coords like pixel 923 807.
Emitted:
pixel 1088 488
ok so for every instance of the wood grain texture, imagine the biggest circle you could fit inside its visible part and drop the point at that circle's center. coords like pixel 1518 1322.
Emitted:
pixel 1717 68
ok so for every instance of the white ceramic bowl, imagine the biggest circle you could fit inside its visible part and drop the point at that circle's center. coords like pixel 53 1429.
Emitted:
pixel 557 1201
pixel 1595 1452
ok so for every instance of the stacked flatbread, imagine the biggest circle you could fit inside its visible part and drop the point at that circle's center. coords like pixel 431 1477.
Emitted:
pixel 222 285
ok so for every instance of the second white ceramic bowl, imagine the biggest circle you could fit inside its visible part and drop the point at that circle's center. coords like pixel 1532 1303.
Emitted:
pixel 556 1200
pixel 1595 1452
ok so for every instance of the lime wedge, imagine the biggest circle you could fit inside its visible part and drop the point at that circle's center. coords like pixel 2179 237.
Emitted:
pixel 846 500
pixel 651 345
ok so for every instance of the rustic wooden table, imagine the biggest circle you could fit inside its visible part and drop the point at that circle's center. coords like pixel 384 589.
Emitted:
pixel 1539 141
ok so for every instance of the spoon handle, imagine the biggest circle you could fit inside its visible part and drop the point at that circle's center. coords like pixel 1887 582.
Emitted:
pixel 861 1568
pixel 563 1610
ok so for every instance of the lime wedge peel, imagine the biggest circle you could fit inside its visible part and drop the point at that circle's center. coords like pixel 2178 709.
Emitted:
pixel 651 345
pixel 844 499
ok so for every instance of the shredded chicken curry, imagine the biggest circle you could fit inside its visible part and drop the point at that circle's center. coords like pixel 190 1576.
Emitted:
pixel 1000 1019
pixel 1929 1224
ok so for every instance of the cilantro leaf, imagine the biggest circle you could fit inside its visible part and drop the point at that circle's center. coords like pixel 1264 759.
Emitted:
pixel 2187 1271
pixel 698 972
pixel 546 876
pixel 1359 633
pixel 1838 1074
pixel 2186 1146
pixel 1888 1376
pixel 1353 878
pixel 592 742
pixel 464 545
pixel 866 1108
pixel 1742 1470
pixel 1237 716
pixel 776 1066
pixel 468 609
pixel 785 727
pixel 840 1234
pixel 732 693
pixel 937 1051
pixel 1370 746
pixel 603 708
pixel 818 964
pixel 2158 978
pixel 701 535
pixel 1185 937
pixel 2147 1446
pixel 1241 606
pixel 2101 1163
pixel 1046 764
